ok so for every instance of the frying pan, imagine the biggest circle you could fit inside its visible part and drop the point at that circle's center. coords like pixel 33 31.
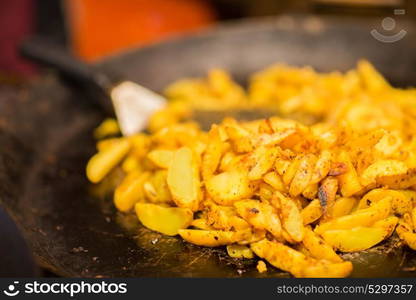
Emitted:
pixel 46 140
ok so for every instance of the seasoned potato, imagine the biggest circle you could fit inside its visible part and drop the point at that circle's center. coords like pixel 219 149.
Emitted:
pixel 318 248
pixel 303 175
pixel 349 181
pixel 291 217
pixel 156 188
pixel 274 180
pixel 130 191
pixel 213 238
pixel 363 217
pixel 261 161
pixel 228 187
pixel 312 212
pixel 380 169
pixel 343 206
pixel 167 220
pixel 401 200
pixel 260 215
pixel 183 179
pixel 213 153
pixel 225 218
pixel 103 162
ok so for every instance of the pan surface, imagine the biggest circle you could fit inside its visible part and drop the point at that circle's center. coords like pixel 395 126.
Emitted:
pixel 46 140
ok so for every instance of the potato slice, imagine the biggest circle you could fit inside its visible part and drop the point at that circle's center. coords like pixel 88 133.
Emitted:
pixel 303 175
pixel 326 194
pixel 156 188
pixel 202 223
pixel 260 161
pixel 382 168
pixel 183 179
pixel 291 217
pixel 239 251
pixel 161 158
pixel 213 238
pixel 225 218
pixel 312 212
pixel 275 180
pixel 228 187
pixel 318 248
pixel 290 260
pixel 387 224
pixel 130 191
pixel 213 153
pixel 401 203
pixel 355 239
pixel 167 220
pixel 363 217
pixel 343 206
pixel 260 215
pixel 104 161
pixel 349 181
pixel 322 166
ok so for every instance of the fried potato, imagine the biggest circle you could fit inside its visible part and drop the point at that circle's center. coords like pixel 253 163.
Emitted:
pixel 402 200
pixel 225 218
pixel 161 158
pixel 291 216
pixel 303 175
pixel 326 194
pixel 183 179
pixel 355 239
pixel 130 191
pixel 261 161
pixel 363 217
pixel 349 181
pixel 322 166
pixel 239 251
pixel 213 238
pixel 382 168
pixel 312 212
pixel 213 153
pixel 228 187
pixel 156 188
pixel 166 220
pixel 260 215
pixel 103 162
pixel 318 248
pixel 202 223
pixel 274 180
pixel 343 206
pixel 406 233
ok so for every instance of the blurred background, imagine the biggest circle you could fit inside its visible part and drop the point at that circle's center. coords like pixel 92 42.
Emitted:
pixel 94 29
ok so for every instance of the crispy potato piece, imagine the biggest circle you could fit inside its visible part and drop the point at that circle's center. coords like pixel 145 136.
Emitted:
pixel 260 215
pixel 311 191
pixel 167 220
pixel 240 138
pixel 261 266
pixel 228 187
pixel 355 239
pixel 322 166
pixel 349 181
pixel 202 223
pixel 161 158
pixel 318 248
pixel 260 161
pixel 303 175
pixel 274 180
pixel 291 170
pixel 363 217
pixel 183 179
pixel 343 206
pixel 402 200
pixel 290 260
pixel 382 168
pixel 405 232
pixel 103 162
pixel 239 251
pixel 225 218
pixel 130 191
pixel 291 216
pixel 265 192
pixel 213 238
pixel 213 153
pixel 388 225
pixel 312 212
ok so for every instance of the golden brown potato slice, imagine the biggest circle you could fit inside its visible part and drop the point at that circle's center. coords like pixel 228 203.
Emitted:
pixel 225 218
pixel 291 216
pixel 382 168
pixel 156 188
pixel 274 180
pixel 318 248
pixel 349 181
pixel 213 238
pixel 228 187
pixel 104 161
pixel 363 217
pixel 260 161
pixel 239 251
pixel 213 153
pixel 183 179
pixel 260 215
pixel 303 175
pixel 343 206
pixel 326 194
pixel 312 212
pixel 322 166
pixel 167 220
pixel 130 191
pixel 401 203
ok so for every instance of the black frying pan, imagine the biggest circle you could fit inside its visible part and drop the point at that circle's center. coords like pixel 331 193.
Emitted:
pixel 45 138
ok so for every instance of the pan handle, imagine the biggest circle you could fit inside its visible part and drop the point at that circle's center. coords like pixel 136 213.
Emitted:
pixel 45 52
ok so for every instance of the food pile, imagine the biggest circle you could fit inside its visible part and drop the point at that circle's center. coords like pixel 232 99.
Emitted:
pixel 292 194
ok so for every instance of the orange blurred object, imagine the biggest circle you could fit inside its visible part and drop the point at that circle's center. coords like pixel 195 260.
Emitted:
pixel 101 27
